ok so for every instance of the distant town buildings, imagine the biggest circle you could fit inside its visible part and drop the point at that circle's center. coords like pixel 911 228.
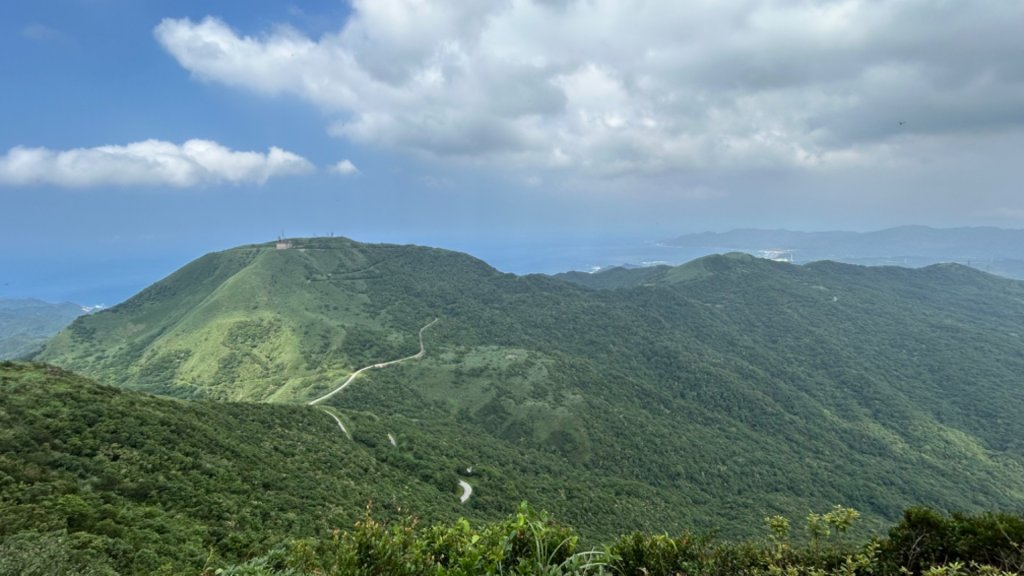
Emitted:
pixel 778 255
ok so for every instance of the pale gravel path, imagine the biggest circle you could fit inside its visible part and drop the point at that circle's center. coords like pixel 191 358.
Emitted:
pixel 467 491
pixel 338 420
pixel 352 377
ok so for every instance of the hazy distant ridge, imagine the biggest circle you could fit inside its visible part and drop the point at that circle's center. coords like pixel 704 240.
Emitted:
pixel 26 324
pixel 997 250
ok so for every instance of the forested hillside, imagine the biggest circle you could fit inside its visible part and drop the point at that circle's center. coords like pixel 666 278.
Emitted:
pixel 100 481
pixel 91 475
pixel 711 394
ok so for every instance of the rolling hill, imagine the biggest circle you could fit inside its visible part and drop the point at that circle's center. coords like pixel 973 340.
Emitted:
pixel 710 394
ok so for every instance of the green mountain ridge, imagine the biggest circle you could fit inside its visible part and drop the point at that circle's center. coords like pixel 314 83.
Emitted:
pixel 710 394
pixel 622 277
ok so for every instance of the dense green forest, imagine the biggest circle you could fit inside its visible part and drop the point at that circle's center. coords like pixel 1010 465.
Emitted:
pixel 95 481
pixel 26 324
pixel 707 395
pixel 91 475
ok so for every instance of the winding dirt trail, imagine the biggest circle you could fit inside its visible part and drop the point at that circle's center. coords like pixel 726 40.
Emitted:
pixel 352 377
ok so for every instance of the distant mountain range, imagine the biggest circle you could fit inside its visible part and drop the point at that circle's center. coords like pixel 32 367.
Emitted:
pixel 26 324
pixel 996 250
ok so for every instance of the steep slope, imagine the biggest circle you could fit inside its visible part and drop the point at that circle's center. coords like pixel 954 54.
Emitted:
pixel 264 324
pixel 93 476
pixel 708 394
pixel 26 324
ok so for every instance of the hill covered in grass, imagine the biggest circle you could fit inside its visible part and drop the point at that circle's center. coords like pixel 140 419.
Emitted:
pixel 710 394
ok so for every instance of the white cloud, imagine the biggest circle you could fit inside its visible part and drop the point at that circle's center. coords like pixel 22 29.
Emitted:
pixel 147 163
pixel 344 168
pixel 607 88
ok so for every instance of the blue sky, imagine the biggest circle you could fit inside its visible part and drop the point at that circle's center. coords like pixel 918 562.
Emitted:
pixel 138 135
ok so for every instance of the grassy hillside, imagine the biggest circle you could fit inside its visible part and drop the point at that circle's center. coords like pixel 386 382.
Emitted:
pixel 26 324
pixel 709 394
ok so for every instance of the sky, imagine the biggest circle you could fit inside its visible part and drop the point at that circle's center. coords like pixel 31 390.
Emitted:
pixel 139 134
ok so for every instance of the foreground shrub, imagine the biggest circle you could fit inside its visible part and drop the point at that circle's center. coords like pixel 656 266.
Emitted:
pixel 527 543
pixel 925 539
pixel 925 543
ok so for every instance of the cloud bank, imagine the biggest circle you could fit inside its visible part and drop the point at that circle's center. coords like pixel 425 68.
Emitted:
pixel 619 87
pixel 147 163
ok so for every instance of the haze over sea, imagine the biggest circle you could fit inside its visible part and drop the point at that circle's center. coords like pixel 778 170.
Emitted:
pixel 111 279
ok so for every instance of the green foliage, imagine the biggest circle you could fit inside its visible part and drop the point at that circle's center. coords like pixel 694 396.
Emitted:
pixel 714 393
pixel 924 539
pixel 529 543
pixel 96 480
pixel 106 481
pixel 52 554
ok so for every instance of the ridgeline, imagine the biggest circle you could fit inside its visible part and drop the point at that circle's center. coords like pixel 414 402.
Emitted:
pixel 659 399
